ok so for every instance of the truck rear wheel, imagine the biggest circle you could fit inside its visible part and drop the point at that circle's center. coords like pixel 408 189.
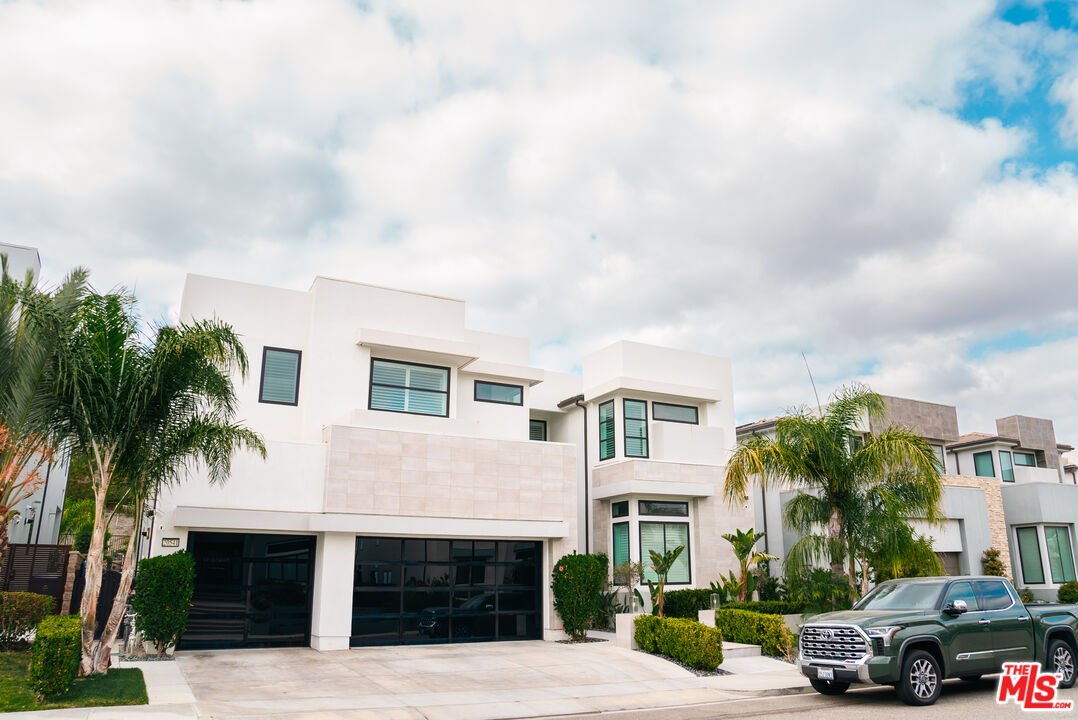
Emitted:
pixel 921 679
pixel 1061 660
pixel 829 687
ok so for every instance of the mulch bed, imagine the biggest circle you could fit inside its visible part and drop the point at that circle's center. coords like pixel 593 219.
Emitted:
pixel 700 673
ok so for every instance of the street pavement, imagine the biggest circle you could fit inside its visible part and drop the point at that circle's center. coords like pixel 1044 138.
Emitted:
pixel 958 700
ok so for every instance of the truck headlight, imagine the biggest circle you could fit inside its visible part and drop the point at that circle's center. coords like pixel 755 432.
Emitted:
pixel 884 633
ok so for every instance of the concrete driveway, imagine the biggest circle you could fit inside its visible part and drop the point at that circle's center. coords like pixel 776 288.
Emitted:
pixel 475 681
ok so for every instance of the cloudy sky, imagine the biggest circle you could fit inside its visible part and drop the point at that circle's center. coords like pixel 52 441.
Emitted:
pixel 888 187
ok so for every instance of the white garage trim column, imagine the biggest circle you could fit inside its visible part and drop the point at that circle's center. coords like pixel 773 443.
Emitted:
pixel 331 611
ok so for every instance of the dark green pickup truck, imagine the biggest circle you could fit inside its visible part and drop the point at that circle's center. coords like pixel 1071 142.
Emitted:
pixel 915 632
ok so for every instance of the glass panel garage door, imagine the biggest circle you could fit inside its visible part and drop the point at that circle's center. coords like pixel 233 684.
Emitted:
pixel 250 591
pixel 435 591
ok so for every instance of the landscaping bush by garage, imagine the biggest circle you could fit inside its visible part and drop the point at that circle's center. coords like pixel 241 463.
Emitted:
pixel 767 607
pixel 20 612
pixel 686 641
pixel 1068 593
pixel 753 628
pixel 55 656
pixel 577 583
pixel 163 597
pixel 686 603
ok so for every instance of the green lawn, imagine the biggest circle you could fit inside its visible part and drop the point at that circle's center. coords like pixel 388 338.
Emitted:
pixel 120 687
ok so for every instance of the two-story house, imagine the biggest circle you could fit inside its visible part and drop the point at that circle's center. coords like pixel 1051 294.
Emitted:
pixel 422 478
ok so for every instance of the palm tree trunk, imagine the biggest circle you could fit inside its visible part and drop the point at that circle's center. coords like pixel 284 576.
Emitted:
pixel 5 517
pixel 94 566
pixel 102 658
pixel 834 531
pixel 864 573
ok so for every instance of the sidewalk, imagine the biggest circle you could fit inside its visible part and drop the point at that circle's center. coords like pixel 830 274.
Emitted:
pixel 445 682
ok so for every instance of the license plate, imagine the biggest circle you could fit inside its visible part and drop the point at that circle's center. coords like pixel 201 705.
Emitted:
pixel 825 673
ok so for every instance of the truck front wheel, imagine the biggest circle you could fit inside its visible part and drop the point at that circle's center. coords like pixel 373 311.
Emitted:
pixel 921 680
pixel 1061 661
pixel 829 687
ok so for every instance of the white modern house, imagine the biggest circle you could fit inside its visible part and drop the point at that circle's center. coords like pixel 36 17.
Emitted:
pixel 39 515
pixel 422 477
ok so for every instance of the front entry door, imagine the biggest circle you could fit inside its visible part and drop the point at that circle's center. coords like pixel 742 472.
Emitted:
pixel 970 638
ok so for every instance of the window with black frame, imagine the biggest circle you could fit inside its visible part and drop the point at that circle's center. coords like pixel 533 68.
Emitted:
pixel 409 388
pixel 636 428
pixel 606 430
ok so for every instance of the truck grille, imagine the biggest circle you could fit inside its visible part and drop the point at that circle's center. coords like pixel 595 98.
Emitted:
pixel 836 643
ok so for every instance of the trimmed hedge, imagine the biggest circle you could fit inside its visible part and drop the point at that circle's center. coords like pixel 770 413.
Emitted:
pixel 20 612
pixel 163 597
pixel 767 607
pixel 54 659
pixel 1068 593
pixel 686 603
pixel 577 582
pixel 753 628
pixel 687 641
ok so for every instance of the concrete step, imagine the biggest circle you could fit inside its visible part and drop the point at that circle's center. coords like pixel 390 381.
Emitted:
pixel 733 649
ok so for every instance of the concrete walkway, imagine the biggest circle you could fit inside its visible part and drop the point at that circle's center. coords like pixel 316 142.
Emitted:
pixel 474 681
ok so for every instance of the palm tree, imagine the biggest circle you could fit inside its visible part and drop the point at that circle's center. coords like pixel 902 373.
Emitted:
pixel 662 563
pixel 744 543
pixel 142 413
pixel 31 325
pixel 818 455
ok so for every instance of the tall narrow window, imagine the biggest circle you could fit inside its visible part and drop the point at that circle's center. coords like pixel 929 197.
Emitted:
pixel 983 465
pixel 537 430
pixel 1005 466
pixel 636 428
pixel 1029 553
pixel 1060 556
pixel 606 430
pixel 669 412
pixel 409 388
pixel 938 451
pixel 663 537
pixel 621 543
pixel 280 376
pixel 501 393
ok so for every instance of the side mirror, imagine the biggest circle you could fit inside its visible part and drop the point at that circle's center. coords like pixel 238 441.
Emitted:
pixel 956 608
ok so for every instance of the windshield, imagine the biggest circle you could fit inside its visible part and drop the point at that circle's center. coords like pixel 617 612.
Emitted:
pixel 910 596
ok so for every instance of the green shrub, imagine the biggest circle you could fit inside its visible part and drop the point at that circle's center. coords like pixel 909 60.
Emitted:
pixel 1025 595
pixel 686 603
pixel 162 597
pixel 753 628
pixel 577 583
pixel 819 590
pixel 1068 593
pixel 687 641
pixel 55 656
pixel 767 607
pixel 991 564
pixel 20 612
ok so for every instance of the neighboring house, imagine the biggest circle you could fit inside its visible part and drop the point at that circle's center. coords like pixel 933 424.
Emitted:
pixel 972 508
pixel 1012 490
pixel 39 516
pixel 423 478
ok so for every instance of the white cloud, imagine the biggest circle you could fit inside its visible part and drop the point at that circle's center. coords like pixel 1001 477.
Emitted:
pixel 746 178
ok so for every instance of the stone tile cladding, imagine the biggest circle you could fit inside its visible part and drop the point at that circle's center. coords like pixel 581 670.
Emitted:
pixel 658 471
pixel 997 524
pixel 391 472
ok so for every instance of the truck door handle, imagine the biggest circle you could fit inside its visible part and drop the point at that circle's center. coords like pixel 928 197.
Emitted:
pixel 984 621
pixel 1023 619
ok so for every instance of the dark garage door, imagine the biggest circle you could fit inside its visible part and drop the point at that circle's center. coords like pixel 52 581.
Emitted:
pixel 437 591
pixel 250 591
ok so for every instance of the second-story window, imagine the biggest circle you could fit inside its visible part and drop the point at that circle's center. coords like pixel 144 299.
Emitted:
pixel 500 393
pixel 280 376
pixel 537 430
pixel 636 428
pixel 983 465
pixel 606 430
pixel 409 388
pixel 1005 466
pixel 675 413
pixel 1025 459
